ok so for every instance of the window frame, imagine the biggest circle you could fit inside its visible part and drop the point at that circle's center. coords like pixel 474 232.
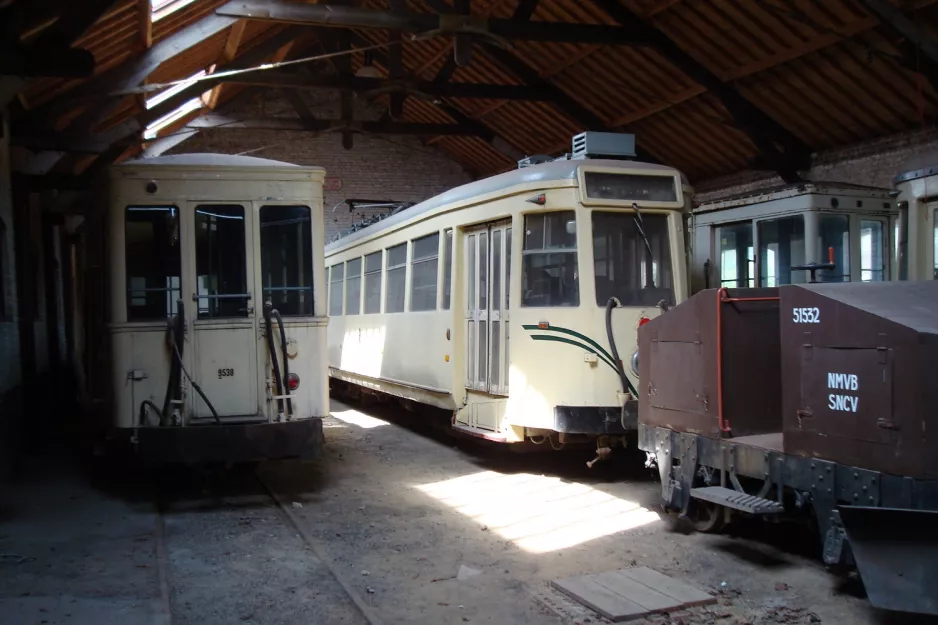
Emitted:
pixel 171 305
pixel 366 274
pixel 348 278
pixel 447 290
pixel 884 250
pixel 663 264
pixel 548 251
pixel 761 265
pixel 413 262
pixel 333 281
pixel 388 268
pixel 311 289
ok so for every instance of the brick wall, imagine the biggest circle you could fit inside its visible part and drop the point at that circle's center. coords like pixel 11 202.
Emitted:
pixel 398 168
pixel 872 163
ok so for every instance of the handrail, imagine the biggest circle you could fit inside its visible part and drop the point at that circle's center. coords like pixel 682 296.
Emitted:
pixel 196 297
pixel 723 424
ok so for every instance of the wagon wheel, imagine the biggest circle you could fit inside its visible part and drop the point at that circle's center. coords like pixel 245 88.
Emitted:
pixel 706 517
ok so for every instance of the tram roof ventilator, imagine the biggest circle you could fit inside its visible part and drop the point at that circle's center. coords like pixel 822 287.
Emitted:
pixel 591 144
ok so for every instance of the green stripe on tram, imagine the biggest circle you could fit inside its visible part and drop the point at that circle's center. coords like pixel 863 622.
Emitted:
pixel 590 346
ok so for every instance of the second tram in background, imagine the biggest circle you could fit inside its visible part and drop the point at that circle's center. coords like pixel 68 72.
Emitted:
pixel 497 300
pixel 755 239
pixel 207 335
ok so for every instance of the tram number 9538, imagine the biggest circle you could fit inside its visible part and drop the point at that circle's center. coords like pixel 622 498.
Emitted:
pixel 806 315
pixel 225 373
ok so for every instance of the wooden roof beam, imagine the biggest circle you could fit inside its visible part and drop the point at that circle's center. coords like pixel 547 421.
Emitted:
pixel 524 10
pixel 49 53
pixel 493 139
pixel 919 52
pixel 125 132
pixel 779 148
pixel 131 73
pixel 145 19
pixel 354 17
pixel 221 122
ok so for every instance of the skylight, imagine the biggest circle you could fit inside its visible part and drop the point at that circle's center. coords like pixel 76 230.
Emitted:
pixel 153 129
pixel 161 8
pixel 194 104
pixel 166 94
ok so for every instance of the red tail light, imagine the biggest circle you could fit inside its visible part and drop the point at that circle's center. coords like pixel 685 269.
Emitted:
pixel 643 321
pixel 293 381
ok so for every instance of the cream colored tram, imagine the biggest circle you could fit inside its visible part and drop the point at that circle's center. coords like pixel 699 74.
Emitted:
pixel 217 320
pixel 917 229
pixel 755 239
pixel 490 300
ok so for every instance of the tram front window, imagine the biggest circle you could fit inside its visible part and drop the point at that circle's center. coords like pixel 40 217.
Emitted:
pixel 287 259
pixel 781 246
pixel 736 256
pixel 626 267
pixel 872 258
pixel 220 256
pixel 151 251
pixel 834 234
pixel 549 260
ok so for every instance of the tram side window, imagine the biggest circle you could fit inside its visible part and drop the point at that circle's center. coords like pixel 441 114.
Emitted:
pixel 872 259
pixel 287 259
pixel 834 233
pixel 424 267
pixel 353 287
pixel 781 245
pixel 397 278
pixel 220 261
pixel 152 257
pixel 447 267
pixel 636 273
pixel 549 260
pixel 336 284
pixel 373 283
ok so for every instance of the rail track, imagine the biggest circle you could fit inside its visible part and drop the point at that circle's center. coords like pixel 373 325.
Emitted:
pixel 166 502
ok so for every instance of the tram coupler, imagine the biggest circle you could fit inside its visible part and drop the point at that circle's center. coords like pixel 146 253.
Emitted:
pixel 603 450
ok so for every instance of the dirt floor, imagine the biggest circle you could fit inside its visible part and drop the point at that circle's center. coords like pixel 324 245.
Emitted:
pixel 423 528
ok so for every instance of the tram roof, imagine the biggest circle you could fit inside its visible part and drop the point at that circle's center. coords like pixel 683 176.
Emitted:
pixel 543 172
pixel 205 159
pixel 813 187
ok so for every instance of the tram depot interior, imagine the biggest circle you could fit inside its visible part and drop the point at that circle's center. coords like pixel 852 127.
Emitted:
pixel 468 311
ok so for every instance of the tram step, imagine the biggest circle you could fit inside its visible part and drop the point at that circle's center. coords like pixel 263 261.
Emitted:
pixel 737 500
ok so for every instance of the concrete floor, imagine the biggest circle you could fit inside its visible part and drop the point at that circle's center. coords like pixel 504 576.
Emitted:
pixel 424 528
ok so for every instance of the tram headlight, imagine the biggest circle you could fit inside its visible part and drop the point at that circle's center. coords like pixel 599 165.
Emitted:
pixel 293 381
pixel 633 363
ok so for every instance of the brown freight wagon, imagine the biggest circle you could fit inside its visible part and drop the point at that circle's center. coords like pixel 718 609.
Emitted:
pixel 815 401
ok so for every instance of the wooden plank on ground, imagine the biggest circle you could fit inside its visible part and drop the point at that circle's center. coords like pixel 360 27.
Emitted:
pixel 676 589
pixel 629 594
pixel 599 598
pixel 636 592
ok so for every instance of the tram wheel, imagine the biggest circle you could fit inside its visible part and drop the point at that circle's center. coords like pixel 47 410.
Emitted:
pixel 706 517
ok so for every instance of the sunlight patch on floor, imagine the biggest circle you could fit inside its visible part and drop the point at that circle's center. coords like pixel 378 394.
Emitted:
pixel 538 513
pixel 354 417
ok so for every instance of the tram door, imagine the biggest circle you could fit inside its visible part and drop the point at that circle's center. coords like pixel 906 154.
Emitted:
pixel 488 262
pixel 224 336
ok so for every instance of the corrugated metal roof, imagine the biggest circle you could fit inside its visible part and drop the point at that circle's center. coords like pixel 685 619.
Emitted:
pixel 827 72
